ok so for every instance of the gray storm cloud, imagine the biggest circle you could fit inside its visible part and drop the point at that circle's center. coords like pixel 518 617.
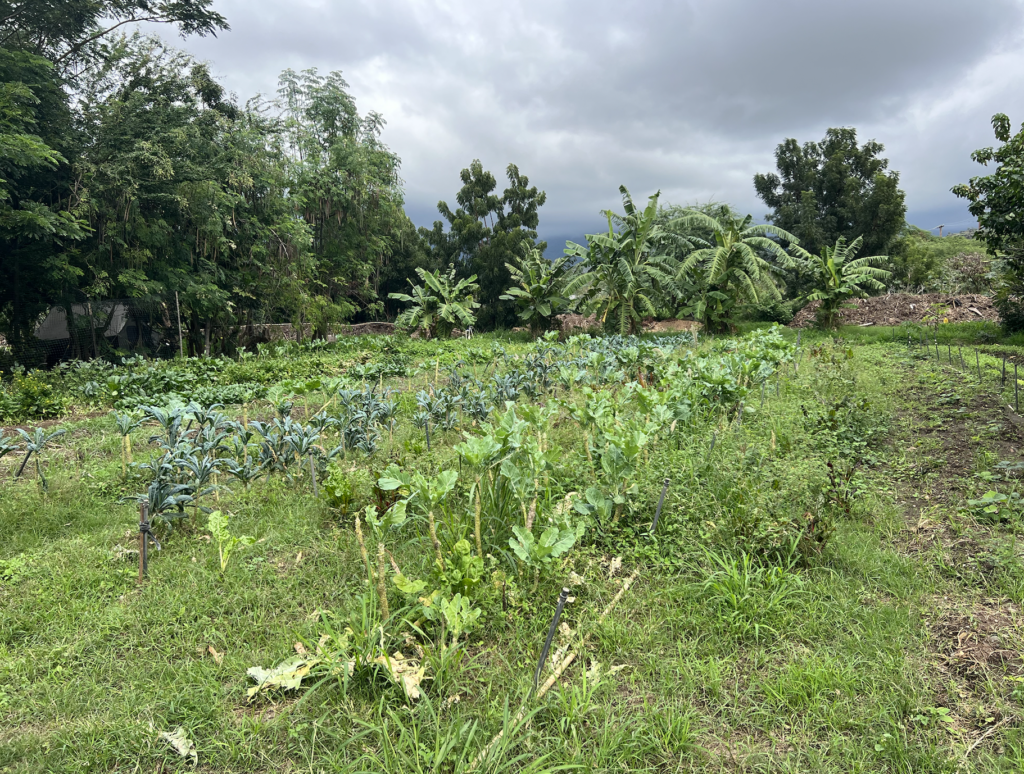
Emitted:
pixel 687 97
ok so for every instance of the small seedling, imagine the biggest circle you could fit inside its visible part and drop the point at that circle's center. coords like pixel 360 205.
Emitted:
pixel 226 542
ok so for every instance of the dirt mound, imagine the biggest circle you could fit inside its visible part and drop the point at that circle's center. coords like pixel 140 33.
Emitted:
pixel 902 307
pixel 670 326
pixel 368 329
pixel 576 323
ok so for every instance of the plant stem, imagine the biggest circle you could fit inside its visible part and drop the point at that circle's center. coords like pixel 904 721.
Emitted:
pixel 433 538
pixel 382 591
pixel 479 540
pixel 362 550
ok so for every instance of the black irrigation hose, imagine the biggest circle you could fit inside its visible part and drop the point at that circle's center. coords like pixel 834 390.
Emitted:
pixel 24 462
pixel 562 597
pixel 661 502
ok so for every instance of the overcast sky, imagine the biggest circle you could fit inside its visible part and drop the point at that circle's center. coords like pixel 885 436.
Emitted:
pixel 690 97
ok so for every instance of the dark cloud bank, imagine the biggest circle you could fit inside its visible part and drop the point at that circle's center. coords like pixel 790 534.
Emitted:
pixel 687 97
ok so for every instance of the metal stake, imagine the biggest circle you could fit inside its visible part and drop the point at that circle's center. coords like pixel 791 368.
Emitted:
pixel 562 597
pixel 312 473
pixel 977 360
pixel 1016 389
pixel 145 535
pixel 426 424
pixel 661 502
pixel 762 394
pixel 713 439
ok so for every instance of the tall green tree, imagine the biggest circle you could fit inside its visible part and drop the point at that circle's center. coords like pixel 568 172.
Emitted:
pixel 37 137
pixel 46 48
pixel 344 181
pixel 627 272
pixel 70 33
pixel 997 201
pixel 835 188
pixel 485 233
pixel 184 193
pixel 733 267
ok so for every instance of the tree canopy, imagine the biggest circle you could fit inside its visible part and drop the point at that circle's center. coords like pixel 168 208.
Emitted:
pixel 485 233
pixel 835 188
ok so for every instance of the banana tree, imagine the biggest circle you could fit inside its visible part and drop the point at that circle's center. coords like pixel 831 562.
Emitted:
pixel 731 269
pixel 440 304
pixel 626 273
pixel 838 277
pixel 538 290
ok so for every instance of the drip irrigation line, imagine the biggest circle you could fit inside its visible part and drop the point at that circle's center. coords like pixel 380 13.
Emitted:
pixel 562 597
pixel 24 462
pixel 556 675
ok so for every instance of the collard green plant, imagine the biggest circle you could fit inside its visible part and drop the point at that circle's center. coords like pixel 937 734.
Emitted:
pixel 35 444
pixel 226 542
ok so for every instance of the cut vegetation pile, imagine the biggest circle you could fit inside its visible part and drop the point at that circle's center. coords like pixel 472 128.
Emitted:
pixel 902 308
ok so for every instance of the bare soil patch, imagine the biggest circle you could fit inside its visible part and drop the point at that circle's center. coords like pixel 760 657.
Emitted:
pixel 902 307
pixel 980 643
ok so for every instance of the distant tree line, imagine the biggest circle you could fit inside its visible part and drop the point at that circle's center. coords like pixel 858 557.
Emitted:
pixel 127 171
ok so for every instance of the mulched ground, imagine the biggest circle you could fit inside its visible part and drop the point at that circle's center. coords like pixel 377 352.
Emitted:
pixel 902 307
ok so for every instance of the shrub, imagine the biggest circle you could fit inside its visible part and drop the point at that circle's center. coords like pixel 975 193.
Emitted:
pixel 29 396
